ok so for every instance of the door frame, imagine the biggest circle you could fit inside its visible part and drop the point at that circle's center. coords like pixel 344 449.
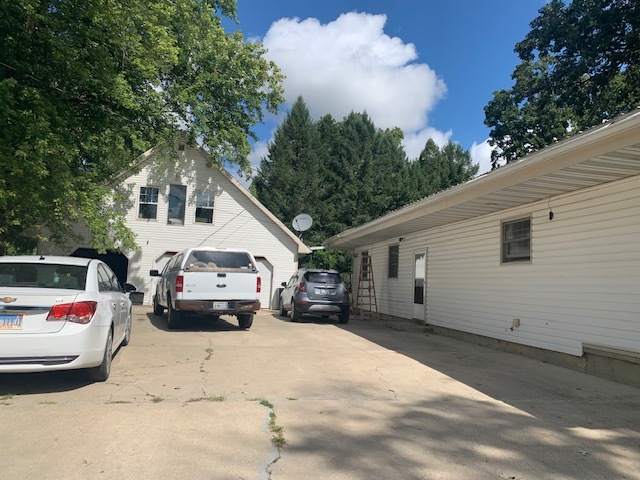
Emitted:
pixel 419 311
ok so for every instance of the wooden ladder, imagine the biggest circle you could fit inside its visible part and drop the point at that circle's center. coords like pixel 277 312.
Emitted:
pixel 366 306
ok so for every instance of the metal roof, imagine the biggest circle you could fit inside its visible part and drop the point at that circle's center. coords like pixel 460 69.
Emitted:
pixel 605 153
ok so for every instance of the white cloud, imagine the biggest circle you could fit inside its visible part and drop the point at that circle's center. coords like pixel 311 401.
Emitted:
pixel 414 141
pixel 481 154
pixel 350 64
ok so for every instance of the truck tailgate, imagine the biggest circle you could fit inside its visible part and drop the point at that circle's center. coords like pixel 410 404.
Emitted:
pixel 207 285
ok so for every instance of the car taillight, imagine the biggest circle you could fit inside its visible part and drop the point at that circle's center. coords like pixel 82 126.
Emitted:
pixel 179 283
pixel 302 287
pixel 77 312
pixel 258 285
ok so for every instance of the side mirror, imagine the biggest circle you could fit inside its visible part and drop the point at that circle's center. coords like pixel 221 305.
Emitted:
pixel 128 288
pixel 284 284
pixel 154 273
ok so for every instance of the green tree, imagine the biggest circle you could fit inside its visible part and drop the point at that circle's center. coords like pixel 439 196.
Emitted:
pixel 438 169
pixel 289 180
pixel 87 86
pixel 580 65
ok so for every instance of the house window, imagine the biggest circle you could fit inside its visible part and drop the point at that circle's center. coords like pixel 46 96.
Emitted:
pixel 177 197
pixel 394 259
pixel 148 203
pixel 204 207
pixel 516 241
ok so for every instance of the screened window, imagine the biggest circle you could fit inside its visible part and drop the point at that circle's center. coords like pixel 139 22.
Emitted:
pixel 516 241
pixel 177 197
pixel 148 203
pixel 394 260
pixel 204 207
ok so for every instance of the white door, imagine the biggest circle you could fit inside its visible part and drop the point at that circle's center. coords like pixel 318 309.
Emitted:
pixel 265 270
pixel 419 284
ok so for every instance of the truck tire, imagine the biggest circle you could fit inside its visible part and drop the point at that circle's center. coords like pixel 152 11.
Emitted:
pixel 157 308
pixel 174 317
pixel 245 320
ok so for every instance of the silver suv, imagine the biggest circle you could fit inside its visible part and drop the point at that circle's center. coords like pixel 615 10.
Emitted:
pixel 315 292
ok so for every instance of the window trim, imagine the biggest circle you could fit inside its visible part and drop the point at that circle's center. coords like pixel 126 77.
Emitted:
pixel 393 262
pixel 199 207
pixel 141 203
pixel 503 242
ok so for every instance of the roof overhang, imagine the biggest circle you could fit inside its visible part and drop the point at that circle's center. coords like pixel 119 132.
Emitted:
pixel 600 155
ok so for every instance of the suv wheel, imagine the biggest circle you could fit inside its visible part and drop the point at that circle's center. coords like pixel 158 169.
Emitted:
pixel 295 314
pixel 283 311
pixel 344 317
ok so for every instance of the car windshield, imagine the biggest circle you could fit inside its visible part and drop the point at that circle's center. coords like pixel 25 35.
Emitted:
pixel 206 260
pixel 43 275
pixel 323 277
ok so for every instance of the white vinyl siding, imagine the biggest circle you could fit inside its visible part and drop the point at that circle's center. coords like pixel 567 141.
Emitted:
pixel 238 223
pixel 582 286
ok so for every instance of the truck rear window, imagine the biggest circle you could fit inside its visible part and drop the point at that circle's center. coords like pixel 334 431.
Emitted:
pixel 208 261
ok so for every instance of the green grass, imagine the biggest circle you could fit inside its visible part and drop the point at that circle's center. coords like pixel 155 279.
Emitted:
pixel 8 396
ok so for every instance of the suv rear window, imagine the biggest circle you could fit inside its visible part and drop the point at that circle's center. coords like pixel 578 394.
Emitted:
pixel 204 260
pixel 43 275
pixel 323 277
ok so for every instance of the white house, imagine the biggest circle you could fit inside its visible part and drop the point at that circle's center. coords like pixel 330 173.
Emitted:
pixel 176 203
pixel 541 257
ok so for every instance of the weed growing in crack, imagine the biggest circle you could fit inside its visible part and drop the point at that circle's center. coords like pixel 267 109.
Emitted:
pixel 209 353
pixel 157 399
pixel 8 396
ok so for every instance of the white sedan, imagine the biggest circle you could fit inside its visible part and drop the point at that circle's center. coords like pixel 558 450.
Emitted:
pixel 61 313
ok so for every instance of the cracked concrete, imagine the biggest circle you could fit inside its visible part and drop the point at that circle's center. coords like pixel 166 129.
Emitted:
pixel 359 401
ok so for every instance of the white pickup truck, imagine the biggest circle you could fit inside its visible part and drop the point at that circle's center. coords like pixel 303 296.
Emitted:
pixel 206 280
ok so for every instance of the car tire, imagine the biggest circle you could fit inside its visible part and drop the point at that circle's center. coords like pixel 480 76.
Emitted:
pixel 157 308
pixel 174 317
pixel 283 311
pixel 127 331
pixel 295 314
pixel 102 371
pixel 344 317
pixel 245 320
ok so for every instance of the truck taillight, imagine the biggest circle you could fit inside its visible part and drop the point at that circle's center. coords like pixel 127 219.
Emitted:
pixel 77 312
pixel 258 285
pixel 179 283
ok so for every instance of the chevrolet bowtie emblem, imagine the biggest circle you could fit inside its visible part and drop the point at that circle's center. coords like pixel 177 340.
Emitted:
pixel 9 299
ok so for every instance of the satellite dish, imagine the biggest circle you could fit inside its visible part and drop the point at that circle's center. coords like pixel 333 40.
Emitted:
pixel 302 222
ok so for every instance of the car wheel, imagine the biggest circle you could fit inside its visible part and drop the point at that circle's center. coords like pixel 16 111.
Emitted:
pixel 157 308
pixel 174 317
pixel 127 331
pixel 295 314
pixel 344 317
pixel 283 311
pixel 102 371
pixel 245 320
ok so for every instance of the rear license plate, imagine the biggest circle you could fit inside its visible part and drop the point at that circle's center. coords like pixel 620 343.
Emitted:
pixel 11 322
pixel 219 306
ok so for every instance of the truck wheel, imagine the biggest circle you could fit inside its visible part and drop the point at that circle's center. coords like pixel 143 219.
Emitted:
pixel 174 317
pixel 245 320
pixel 157 308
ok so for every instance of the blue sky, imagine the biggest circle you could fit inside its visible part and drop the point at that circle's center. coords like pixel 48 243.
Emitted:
pixel 426 66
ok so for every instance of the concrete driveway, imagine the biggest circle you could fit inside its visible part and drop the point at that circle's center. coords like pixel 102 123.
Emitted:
pixel 315 400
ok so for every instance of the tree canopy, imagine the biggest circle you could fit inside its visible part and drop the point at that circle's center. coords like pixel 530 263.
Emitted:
pixel 580 65
pixel 87 86
pixel 346 173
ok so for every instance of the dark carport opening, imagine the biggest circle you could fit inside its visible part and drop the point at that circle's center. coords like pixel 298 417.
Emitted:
pixel 117 261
